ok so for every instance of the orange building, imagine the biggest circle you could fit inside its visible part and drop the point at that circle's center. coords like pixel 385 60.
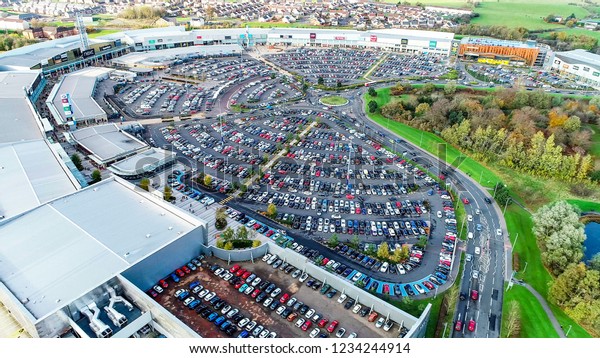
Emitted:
pixel 501 51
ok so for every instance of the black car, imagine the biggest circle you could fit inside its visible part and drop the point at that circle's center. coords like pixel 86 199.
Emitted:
pixel 214 267
pixel 274 305
pixel 349 303
pixel 488 200
pixel 331 293
pixel 364 311
pixel 303 309
pixel 409 290
pixel 220 304
pixel 213 301
pixel 200 308
pixel 207 312
pixel 270 288
pixel 237 318
pixel 315 286
pixel 286 312
pixel 310 282
pixel 231 330
pixel 261 297
pixel 264 285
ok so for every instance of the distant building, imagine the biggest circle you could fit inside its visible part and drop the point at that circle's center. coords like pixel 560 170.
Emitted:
pixel 579 65
pixel 13 24
pixel 503 52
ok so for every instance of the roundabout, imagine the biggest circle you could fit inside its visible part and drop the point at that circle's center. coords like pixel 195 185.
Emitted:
pixel 334 101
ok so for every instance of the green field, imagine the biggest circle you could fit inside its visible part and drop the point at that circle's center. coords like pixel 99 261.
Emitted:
pixel 528 14
pixel 281 24
pixel 103 32
pixel 334 100
pixel 534 321
pixel 577 31
pixel 585 205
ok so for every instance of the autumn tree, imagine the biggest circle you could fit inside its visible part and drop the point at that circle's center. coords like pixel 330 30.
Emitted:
pixel 271 210
pixel 145 184
pixel 383 251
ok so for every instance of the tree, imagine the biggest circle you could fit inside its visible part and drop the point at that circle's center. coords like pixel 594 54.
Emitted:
pixel 167 193
pixel 320 81
pixel 576 284
pixel 210 12
pixel 76 161
pixel 208 180
pixel 372 92
pixel 355 242
pixel 256 243
pixel 383 252
pixel 372 106
pixel 513 320
pixel 228 234
pixel 241 233
pixel 145 184
pixel 502 195
pixel 96 176
pixel 339 84
pixel 450 88
pixel 428 88
pixel 422 108
pixel 333 241
pixel 560 235
pixel 397 89
pixel 220 223
pixel 228 245
pixel 595 262
pixel 423 241
pixel 271 210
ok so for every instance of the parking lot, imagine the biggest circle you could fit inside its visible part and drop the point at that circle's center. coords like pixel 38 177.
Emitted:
pixel 320 310
pixel 396 65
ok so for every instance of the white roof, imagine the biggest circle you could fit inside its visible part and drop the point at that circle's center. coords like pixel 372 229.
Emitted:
pixel 580 56
pixel 164 57
pixel 107 142
pixel 53 254
pixel 18 120
pixel 143 162
pixel 80 86
pixel 28 56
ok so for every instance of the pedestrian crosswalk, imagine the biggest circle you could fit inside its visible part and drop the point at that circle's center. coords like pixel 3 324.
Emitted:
pixel 226 200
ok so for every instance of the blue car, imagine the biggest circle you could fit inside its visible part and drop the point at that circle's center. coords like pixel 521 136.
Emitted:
pixel 243 287
pixel 212 316
pixel 194 284
pixel 243 334
pixel 194 304
pixel 219 320
pixel 182 296
pixel 225 325
pixel 441 275
pixel 175 277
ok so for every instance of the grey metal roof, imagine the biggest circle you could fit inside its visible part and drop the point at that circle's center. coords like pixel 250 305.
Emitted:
pixel 29 56
pixel 107 142
pixel 30 175
pixel 17 120
pixel 53 254
pixel 80 86
pixel 142 162
pixel 580 56
pixel 160 57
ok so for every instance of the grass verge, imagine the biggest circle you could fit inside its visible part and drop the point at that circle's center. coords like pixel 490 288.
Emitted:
pixel 534 321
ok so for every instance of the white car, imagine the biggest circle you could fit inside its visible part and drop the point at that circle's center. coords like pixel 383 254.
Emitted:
pixel 477 250
pixel 388 325
pixel 264 333
pixel 276 292
pixel 244 322
pixel 340 333
pixel 499 232
pixel 342 298
pixel 353 335
pixel 188 300
pixel 226 309
pixel 203 293
pixel 315 332
pixel 356 308
pixel 310 313
pixel 266 257
pixel 232 313
pixel 475 274
pixel 256 281
pixel 280 310
pixel 469 217
pixel 303 277
pixel 439 214
pixel 267 302
pixel 380 322
pixel 299 322
pixel 296 273
pixel 209 296
pixel 158 289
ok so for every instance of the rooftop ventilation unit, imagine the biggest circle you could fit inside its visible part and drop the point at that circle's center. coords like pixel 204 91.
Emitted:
pixel 101 329
pixel 117 318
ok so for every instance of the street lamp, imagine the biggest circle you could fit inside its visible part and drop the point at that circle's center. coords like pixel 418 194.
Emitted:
pixel 505 205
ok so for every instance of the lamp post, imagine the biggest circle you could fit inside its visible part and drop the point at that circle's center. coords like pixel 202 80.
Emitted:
pixel 505 205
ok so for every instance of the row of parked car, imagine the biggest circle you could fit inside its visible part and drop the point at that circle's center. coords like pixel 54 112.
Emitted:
pixel 175 276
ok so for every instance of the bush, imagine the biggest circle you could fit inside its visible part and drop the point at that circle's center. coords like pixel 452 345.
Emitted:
pixel 220 223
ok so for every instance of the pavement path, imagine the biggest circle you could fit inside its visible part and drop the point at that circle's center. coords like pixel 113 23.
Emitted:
pixel 547 309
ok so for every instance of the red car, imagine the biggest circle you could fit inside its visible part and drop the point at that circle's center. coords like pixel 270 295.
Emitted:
pixel 255 293
pixel 306 325
pixel 239 284
pixel 234 268
pixel 186 269
pixel 386 289
pixel 465 200
pixel 471 326
pixel 332 326
pixel 180 273
pixel 269 233
pixel 152 293
pixel 284 298
pixel 323 322
pixel 458 326
pixel 163 283
pixel 429 285
pixel 246 275
pixel 240 272
pixel 474 295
